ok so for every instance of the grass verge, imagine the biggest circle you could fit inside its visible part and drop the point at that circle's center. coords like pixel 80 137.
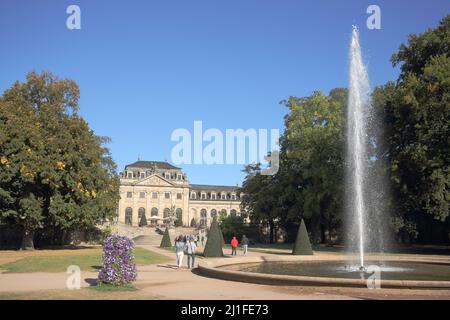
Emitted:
pixel 89 261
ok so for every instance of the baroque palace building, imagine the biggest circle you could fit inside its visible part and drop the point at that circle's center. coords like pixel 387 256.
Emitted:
pixel 152 191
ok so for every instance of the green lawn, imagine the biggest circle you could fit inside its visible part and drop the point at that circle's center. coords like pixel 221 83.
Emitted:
pixel 90 261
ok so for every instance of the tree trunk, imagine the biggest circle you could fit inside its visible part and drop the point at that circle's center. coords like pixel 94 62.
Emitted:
pixel 28 240
pixel 271 231
pixel 322 233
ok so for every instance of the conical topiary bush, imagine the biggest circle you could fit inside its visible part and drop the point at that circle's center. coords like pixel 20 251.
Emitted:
pixel 222 240
pixel 302 246
pixel 165 241
pixel 213 247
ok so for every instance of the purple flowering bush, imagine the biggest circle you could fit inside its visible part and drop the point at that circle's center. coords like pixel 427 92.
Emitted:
pixel 118 261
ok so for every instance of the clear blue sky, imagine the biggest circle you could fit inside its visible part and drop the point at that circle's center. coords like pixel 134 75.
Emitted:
pixel 146 68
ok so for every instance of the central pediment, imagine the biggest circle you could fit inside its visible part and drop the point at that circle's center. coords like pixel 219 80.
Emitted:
pixel 154 180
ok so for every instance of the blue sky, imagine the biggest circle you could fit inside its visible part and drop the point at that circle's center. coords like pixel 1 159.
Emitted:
pixel 146 68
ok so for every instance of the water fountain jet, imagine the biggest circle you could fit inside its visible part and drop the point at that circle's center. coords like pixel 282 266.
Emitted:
pixel 357 112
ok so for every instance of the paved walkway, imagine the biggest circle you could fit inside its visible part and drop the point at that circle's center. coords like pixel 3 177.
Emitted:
pixel 167 281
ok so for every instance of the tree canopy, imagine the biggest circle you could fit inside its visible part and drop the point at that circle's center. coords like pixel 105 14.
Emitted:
pixel 412 153
pixel 54 171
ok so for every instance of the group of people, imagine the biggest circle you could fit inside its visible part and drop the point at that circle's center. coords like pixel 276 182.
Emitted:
pixel 187 245
pixel 235 243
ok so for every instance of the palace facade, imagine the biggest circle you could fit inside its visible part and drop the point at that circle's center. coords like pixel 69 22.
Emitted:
pixel 153 191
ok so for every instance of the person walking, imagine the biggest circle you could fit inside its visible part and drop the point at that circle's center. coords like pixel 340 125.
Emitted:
pixel 244 244
pixel 190 251
pixel 179 250
pixel 234 245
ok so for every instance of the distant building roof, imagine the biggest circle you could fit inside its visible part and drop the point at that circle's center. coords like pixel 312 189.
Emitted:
pixel 212 187
pixel 151 164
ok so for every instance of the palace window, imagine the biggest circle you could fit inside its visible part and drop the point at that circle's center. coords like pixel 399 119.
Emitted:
pixel 129 194
pixel 203 217
pixel 142 195
pixel 179 195
pixel 128 216
pixel 167 195
pixel 154 216
pixel 166 213
pixel 155 195
pixel 142 219
pixel 179 216
pixel 233 212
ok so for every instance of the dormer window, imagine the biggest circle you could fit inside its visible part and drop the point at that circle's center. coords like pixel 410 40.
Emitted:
pixel 213 196
pixel 167 175
pixel 130 175
pixel 142 175
pixel 193 195
pixel 223 196
pixel 203 196
pixel 179 177
pixel 233 196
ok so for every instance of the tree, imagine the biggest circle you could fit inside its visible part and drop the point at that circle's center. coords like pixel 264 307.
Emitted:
pixel 313 148
pixel 302 245
pixel 55 172
pixel 260 198
pixel 233 226
pixel 416 112
pixel 213 246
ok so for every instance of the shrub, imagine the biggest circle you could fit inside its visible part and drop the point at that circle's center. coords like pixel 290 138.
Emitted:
pixel 165 241
pixel 118 261
pixel 213 247
pixel 302 245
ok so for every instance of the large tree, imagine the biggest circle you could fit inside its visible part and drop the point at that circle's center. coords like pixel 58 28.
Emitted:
pixel 261 198
pixel 312 149
pixel 309 181
pixel 54 171
pixel 416 113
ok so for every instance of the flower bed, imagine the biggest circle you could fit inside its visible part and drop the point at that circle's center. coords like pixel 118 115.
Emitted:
pixel 118 261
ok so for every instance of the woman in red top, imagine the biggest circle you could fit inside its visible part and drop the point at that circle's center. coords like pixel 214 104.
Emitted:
pixel 234 244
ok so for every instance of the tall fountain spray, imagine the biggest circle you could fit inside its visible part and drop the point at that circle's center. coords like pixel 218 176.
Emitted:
pixel 357 141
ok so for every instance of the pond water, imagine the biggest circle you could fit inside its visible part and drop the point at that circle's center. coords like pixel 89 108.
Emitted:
pixel 388 270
